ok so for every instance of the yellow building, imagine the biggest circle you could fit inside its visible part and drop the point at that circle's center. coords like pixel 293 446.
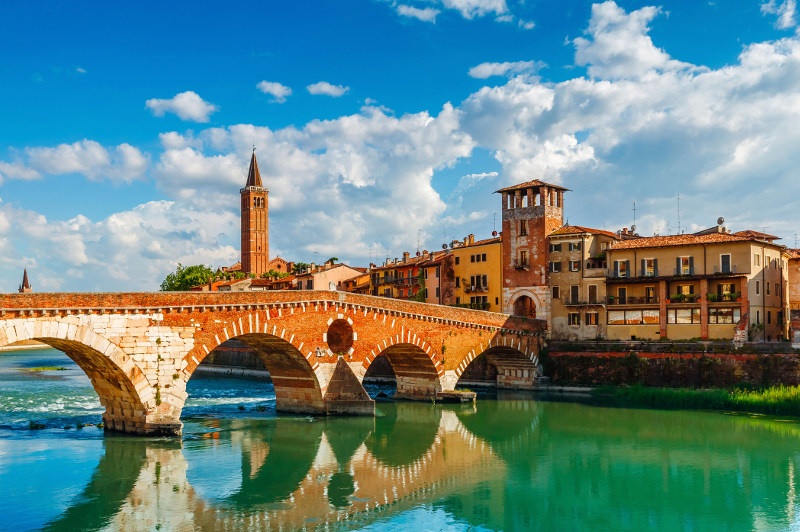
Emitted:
pixel 578 282
pixel 478 273
pixel 706 285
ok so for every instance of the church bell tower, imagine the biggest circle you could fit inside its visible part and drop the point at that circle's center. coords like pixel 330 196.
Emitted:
pixel 255 222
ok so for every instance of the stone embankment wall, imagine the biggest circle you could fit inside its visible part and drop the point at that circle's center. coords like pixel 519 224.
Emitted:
pixel 673 370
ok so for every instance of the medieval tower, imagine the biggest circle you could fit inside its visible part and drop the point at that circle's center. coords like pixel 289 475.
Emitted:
pixel 531 211
pixel 255 222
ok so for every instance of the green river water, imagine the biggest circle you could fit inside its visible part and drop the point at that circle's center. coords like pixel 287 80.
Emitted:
pixel 510 462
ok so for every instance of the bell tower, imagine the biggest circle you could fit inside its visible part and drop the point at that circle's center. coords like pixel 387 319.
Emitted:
pixel 25 287
pixel 255 222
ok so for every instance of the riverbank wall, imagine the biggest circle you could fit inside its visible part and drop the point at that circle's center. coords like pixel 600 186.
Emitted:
pixel 672 370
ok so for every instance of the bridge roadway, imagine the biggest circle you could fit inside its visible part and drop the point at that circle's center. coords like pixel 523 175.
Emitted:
pixel 140 349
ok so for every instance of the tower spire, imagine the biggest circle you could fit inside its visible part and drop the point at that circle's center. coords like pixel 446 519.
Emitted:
pixel 25 287
pixel 253 175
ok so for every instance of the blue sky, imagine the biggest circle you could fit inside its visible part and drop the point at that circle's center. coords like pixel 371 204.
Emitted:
pixel 126 129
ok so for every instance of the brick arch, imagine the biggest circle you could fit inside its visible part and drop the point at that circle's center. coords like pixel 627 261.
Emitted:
pixel 537 302
pixel 499 343
pixel 298 379
pixel 417 371
pixel 114 376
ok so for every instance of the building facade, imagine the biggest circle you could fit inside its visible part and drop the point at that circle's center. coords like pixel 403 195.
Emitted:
pixel 578 282
pixel 478 272
pixel 705 285
pixel 530 212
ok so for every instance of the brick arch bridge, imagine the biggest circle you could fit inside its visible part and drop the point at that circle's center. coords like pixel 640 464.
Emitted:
pixel 140 349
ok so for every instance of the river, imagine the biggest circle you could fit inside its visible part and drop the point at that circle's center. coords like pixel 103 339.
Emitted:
pixel 506 463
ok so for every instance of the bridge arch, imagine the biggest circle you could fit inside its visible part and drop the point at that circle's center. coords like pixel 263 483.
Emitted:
pixel 506 360
pixel 418 373
pixel 123 389
pixel 298 379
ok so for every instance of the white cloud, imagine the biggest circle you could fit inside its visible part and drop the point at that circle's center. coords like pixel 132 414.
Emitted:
pixel 123 163
pixel 427 14
pixel 619 46
pixel 327 89
pixel 526 24
pixel 187 105
pixel 476 8
pixel 487 70
pixel 278 92
pixel 785 10
pixel 80 70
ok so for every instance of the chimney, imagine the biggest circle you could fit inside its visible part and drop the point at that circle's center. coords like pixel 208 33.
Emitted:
pixel 406 255
pixel 329 265
pixel 471 238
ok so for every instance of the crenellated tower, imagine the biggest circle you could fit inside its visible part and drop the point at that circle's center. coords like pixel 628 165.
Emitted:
pixel 531 211
pixel 255 222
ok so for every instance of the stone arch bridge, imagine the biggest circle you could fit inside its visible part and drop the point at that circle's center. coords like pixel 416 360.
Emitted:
pixel 140 349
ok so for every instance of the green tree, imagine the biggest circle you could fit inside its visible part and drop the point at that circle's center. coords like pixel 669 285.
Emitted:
pixel 184 278
pixel 300 267
pixel 332 260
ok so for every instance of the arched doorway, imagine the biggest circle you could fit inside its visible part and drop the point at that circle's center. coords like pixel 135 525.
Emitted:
pixel 524 306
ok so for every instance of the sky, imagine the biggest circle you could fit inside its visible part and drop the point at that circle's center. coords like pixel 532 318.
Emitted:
pixel 380 126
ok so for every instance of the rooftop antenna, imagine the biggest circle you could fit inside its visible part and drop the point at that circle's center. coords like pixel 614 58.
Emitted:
pixel 419 231
pixel 634 216
pixel 679 214
pixel 494 222
pixel 795 240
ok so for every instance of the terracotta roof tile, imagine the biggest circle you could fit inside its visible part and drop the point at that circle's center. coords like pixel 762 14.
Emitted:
pixel 530 184
pixel 578 229
pixel 678 240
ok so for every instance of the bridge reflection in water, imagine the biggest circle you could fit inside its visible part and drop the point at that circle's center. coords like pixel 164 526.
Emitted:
pixel 510 464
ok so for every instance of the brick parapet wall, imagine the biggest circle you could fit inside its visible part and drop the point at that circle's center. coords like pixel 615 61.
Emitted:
pixel 675 370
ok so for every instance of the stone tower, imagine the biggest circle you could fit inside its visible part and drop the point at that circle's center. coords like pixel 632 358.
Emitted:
pixel 255 222
pixel 25 287
pixel 531 211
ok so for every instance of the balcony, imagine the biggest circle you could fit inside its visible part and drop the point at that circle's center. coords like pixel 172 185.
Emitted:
pixel 684 298
pixel 580 302
pixel 731 270
pixel 521 265
pixel 475 289
pixel 632 300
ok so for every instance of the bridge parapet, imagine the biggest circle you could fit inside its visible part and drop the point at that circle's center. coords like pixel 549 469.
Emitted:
pixel 140 349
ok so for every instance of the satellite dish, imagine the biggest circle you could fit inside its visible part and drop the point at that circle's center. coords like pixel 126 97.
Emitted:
pixel 633 228
pixel 720 220
pixel 444 246
pixel 494 233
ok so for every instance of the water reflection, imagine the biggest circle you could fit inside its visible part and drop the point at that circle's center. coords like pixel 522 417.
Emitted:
pixel 510 464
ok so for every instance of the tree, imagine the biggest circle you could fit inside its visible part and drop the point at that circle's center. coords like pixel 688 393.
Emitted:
pixel 332 260
pixel 184 278
pixel 300 267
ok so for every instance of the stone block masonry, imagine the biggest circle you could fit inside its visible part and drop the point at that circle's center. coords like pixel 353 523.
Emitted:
pixel 140 349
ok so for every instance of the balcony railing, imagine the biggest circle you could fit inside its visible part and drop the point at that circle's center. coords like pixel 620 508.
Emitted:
pixel 521 265
pixel 475 289
pixel 632 300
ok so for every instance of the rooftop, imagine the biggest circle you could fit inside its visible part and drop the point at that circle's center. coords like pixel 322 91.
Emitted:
pixel 530 184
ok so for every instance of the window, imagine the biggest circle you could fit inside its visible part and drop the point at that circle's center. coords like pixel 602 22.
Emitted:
pixel 649 267
pixel 574 318
pixel 777 289
pixel 555 247
pixel 555 267
pixel 472 258
pixel 684 265
pixel 766 287
pixel 309 284
pixel 556 292
pixel 458 282
pixel 621 268
pixel 458 299
pixel 758 288
pixel 683 316
pixel 592 293
pixel 685 289
pixel 523 227
pixel 603 246
pixel 650 294
pixel 769 317
pixel 574 294
pixel 591 318
pixel 574 246
pixel 622 295
pixel 725 263
pixel 523 257
pixel 633 317
pixel 756 259
pixel 457 260
pixel 437 292
pixel 483 257
pixel 437 274
pixel 425 273
pixel 574 265
pixel 724 315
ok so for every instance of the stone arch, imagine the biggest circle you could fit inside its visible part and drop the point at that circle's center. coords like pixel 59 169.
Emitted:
pixel 517 365
pixel 298 378
pixel 525 303
pixel 417 372
pixel 123 389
